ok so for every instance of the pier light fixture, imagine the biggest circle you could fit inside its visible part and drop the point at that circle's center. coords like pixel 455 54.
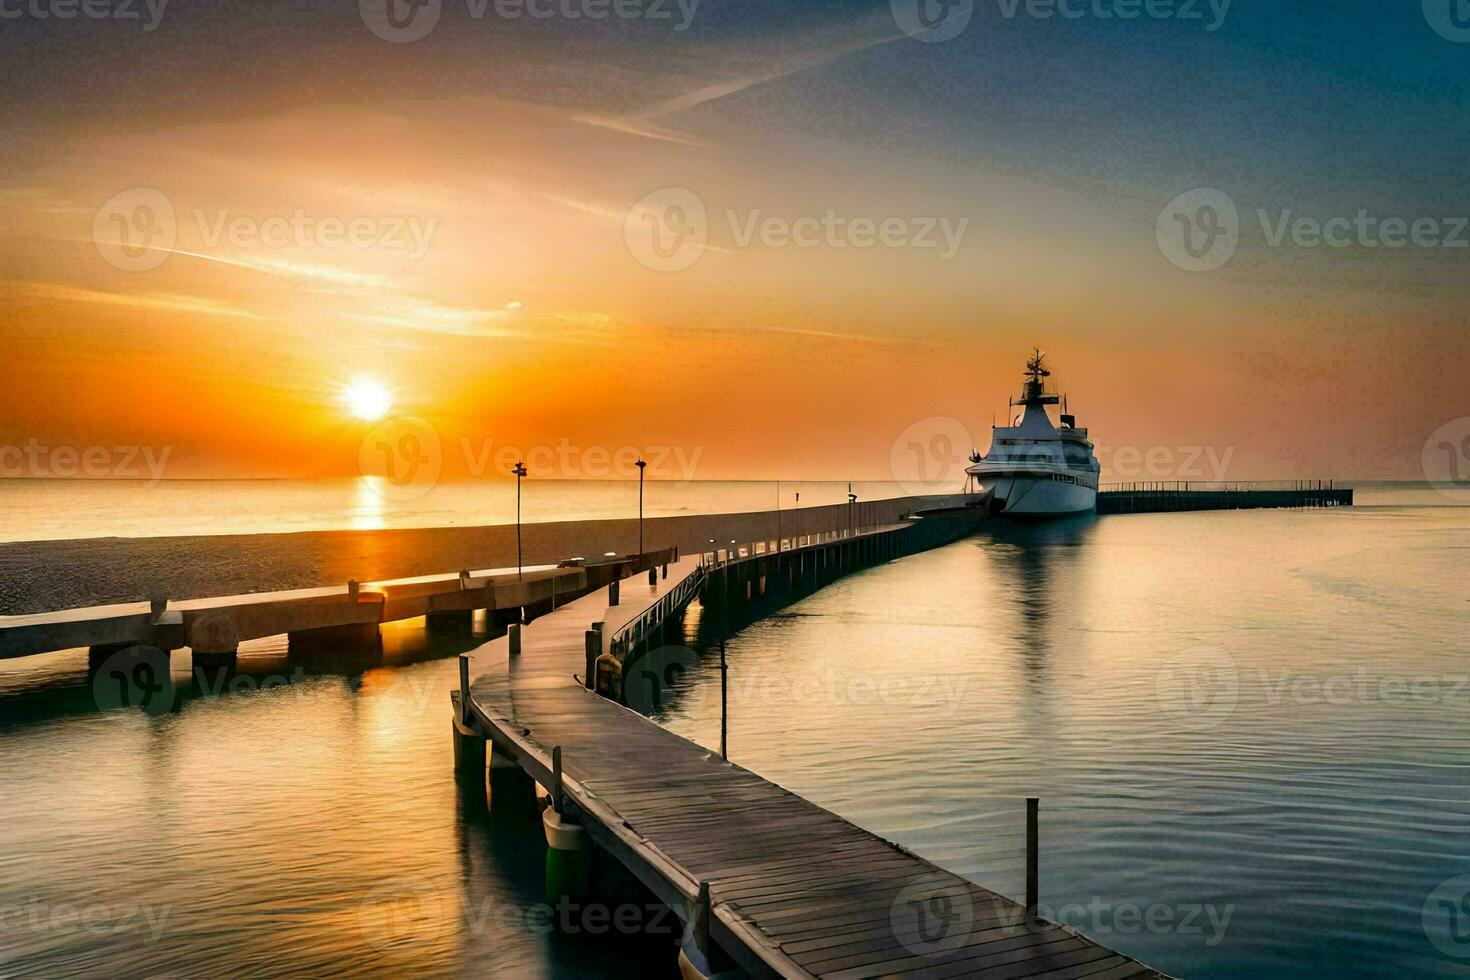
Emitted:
pixel 851 499
pixel 641 463
pixel 519 470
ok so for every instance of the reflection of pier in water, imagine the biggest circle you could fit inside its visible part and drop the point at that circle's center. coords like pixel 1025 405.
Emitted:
pixel 762 879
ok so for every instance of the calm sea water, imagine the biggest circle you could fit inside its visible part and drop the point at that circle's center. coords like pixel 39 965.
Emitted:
pixel 44 510
pixel 1250 733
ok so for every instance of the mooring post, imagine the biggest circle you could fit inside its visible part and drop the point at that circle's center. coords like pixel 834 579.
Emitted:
pixel 593 641
pixel 1033 885
pixel 513 632
pixel 556 803
pixel 652 575
pixel 352 588
pixel 724 703
pixel 694 949
pixel 464 688
pixel 612 592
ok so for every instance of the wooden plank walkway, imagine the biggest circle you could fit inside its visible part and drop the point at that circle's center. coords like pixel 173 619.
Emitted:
pixel 795 889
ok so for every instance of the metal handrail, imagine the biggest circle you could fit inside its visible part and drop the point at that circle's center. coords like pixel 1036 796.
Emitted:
pixel 1206 486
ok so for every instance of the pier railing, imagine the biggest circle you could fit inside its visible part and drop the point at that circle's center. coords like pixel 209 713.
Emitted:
pixel 1210 486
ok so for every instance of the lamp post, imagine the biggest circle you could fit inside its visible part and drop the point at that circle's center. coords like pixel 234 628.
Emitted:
pixel 641 463
pixel 519 470
pixel 851 499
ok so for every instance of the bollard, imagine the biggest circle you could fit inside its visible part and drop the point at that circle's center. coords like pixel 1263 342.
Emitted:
pixel 593 643
pixel 652 576
pixel 1033 898
pixel 613 588
pixel 514 633
pixel 352 588
pixel 157 606
pixel 694 951
pixel 666 570
pixel 464 688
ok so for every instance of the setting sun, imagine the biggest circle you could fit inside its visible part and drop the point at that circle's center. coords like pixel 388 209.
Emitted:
pixel 367 400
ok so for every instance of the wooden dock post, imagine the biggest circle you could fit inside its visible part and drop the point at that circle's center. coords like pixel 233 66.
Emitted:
pixel 464 688
pixel 556 803
pixel 513 634
pixel 724 704
pixel 1033 850
pixel 613 588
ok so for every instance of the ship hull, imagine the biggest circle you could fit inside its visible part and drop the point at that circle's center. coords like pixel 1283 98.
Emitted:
pixel 1036 498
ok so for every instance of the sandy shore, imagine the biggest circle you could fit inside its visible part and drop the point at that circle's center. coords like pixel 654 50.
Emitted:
pixel 38 576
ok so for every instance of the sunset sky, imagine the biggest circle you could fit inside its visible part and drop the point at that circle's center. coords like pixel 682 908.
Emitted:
pixel 524 311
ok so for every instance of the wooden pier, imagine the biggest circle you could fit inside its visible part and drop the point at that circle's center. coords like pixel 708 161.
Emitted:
pixel 773 883
pixel 1151 498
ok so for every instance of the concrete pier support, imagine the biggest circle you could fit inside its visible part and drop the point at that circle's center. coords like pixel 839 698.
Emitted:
pixel 214 642
pixel 456 621
pixel 353 636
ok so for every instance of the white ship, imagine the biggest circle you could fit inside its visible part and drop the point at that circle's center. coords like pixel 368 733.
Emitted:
pixel 1036 469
